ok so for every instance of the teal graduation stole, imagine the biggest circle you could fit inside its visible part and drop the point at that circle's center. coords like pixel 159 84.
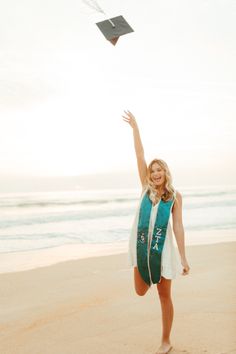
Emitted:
pixel 149 251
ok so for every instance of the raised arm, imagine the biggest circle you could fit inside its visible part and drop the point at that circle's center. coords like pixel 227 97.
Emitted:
pixel 139 151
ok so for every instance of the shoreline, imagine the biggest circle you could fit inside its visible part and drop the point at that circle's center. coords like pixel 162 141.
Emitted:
pixel 28 260
pixel 89 306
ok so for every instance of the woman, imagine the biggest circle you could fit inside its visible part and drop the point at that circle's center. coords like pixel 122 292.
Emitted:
pixel 151 247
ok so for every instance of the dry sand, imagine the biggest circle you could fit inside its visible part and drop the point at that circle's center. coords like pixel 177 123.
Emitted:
pixel 89 306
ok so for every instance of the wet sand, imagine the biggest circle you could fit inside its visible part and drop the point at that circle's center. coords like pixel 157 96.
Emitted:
pixel 89 306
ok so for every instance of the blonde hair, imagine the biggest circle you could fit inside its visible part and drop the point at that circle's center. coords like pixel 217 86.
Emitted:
pixel 169 191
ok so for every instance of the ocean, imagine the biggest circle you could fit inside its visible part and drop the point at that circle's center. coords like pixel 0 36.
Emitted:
pixel 36 221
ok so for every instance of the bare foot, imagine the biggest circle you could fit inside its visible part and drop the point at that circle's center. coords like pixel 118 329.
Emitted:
pixel 164 348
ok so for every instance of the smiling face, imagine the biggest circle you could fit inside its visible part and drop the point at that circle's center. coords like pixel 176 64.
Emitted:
pixel 157 174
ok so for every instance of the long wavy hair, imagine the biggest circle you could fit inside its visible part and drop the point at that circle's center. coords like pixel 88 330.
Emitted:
pixel 169 191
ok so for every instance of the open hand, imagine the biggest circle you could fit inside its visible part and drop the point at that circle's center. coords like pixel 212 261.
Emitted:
pixel 129 118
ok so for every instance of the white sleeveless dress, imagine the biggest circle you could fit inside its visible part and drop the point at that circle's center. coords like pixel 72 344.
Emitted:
pixel 170 260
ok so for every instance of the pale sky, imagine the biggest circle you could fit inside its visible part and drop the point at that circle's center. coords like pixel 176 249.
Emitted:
pixel 63 88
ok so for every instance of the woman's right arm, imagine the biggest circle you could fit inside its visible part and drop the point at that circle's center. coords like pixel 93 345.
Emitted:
pixel 139 151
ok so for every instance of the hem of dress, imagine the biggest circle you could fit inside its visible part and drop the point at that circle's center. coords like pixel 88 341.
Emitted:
pixel 168 277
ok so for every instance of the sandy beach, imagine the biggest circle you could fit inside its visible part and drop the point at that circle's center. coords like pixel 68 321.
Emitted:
pixel 89 306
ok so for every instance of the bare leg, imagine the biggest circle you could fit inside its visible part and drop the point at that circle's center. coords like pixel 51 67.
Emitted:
pixel 164 290
pixel 140 286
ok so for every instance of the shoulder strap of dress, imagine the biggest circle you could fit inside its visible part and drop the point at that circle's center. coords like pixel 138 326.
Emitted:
pixel 173 199
pixel 174 195
pixel 144 190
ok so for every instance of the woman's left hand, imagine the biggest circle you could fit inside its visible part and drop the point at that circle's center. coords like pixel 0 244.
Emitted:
pixel 186 267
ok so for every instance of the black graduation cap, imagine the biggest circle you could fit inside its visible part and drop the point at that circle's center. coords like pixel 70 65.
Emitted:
pixel 114 27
